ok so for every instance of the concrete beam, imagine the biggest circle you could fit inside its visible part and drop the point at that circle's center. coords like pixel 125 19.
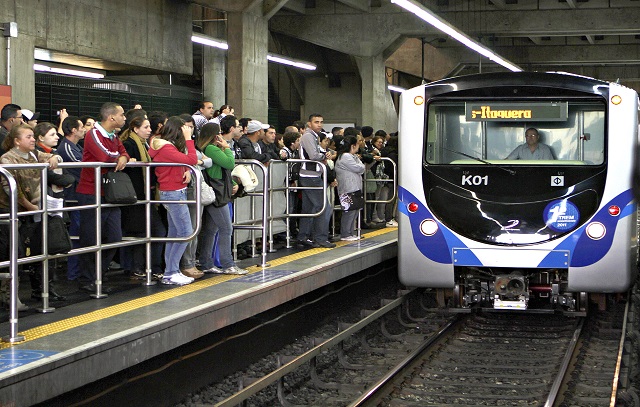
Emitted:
pixel 362 5
pixel 573 55
pixel 297 6
pixel 372 35
pixel 271 7
pixel 502 23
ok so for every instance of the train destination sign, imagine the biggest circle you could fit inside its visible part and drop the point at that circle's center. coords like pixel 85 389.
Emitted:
pixel 517 111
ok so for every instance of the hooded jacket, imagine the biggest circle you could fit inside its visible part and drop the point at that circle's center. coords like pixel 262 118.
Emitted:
pixel 163 151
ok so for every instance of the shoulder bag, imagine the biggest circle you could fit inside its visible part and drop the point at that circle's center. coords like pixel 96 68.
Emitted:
pixel 207 194
pixel 352 201
pixel 222 187
pixel 118 188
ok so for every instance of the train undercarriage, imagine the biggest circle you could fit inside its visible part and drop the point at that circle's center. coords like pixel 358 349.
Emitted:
pixel 515 289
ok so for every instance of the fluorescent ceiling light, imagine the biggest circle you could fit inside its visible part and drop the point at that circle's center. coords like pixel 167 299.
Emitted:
pixel 394 88
pixel 65 71
pixel 209 41
pixel 214 42
pixel 291 62
pixel 433 19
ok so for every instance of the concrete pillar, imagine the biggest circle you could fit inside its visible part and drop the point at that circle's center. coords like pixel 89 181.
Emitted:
pixel 377 106
pixel 22 75
pixel 214 61
pixel 247 84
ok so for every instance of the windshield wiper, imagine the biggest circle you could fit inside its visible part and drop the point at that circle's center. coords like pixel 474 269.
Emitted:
pixel 510 171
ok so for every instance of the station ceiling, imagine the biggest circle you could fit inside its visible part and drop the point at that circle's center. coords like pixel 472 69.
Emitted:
pixel 599 38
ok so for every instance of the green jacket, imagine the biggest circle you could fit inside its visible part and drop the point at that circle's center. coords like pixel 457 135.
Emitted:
pixel 221 159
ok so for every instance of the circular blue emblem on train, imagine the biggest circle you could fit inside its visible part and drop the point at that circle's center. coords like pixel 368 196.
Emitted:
pixel 561 215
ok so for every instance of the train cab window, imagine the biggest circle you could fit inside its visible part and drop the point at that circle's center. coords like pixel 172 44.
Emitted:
pixel 465 132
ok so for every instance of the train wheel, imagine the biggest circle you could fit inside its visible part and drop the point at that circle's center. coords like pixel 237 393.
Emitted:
pixel 458 296
pixel 583 301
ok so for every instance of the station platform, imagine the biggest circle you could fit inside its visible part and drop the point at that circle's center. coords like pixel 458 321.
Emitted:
pixel 86 341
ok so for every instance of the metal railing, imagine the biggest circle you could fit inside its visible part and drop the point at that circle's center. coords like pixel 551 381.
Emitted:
pixel 13 216
pixel 393 181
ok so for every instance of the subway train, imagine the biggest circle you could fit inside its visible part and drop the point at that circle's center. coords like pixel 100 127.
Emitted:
pixel 495 231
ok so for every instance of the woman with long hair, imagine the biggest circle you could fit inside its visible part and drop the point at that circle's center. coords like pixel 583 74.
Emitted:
pixel 174 145
pixel 135 140
pixel 349 170
pixel 218 218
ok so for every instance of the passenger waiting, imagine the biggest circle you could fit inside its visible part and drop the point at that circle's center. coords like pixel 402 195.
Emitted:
pixel 349 170
pixel 133 259
pixel 174 145
pixel 19 145
pixel 217 214
pixel 101 145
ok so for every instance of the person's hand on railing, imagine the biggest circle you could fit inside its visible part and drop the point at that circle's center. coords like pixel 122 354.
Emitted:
pixel 186 177
pixel 122 161
pixel 53 162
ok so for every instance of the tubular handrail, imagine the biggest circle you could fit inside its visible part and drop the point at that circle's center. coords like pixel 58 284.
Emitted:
pixel 99 246
pixel 265 203
pixel 13 258
pixel 393 180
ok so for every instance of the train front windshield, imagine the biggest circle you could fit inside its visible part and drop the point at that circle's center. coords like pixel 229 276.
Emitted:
pixel 461 132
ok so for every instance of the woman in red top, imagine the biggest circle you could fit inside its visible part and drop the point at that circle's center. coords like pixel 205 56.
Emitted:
pixel 174 145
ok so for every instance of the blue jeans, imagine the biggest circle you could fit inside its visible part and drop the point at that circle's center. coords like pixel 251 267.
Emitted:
pixel 312 203
pixel 179 226
pixel 218 220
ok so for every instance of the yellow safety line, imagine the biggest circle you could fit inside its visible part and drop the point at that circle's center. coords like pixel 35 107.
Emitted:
pixel 74 322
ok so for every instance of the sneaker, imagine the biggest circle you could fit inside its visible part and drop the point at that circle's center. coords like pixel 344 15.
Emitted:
pixel 392 223
pixel 376 220
pixel 192 272
pixel 138 274
pixel 235 270
pixel 350 238
pixel 177 279
pixel 213 270
pixel 326 244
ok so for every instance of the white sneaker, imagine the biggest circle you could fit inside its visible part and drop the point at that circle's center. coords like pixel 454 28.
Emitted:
pixel 177 279
pixel 350 238
pixel 235 270
pixel 213 270
pixel 392 223
pixel 376 220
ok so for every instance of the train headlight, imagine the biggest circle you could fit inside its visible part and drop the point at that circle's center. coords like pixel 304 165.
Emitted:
pixel 428 227
pixel 614 210
pixel 596 230
pixel 616 99
pixel 418 100
pixel 412 207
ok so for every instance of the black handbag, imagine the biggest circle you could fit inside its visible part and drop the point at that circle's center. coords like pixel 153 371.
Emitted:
pixel 352 201
pixel 58 239
pixel 222 187
pixel 118 188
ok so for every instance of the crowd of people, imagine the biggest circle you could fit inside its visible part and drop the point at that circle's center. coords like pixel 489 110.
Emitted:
pixel 209 140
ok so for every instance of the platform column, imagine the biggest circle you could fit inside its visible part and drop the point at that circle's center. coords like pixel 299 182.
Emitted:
pixel 214 71
pixel 377 106
pixel 247 85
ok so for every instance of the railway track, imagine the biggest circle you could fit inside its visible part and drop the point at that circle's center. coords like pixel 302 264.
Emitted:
pixel 392 358
pixel 511 359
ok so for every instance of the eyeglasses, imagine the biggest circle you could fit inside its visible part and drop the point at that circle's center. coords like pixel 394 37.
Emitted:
pixel 531 135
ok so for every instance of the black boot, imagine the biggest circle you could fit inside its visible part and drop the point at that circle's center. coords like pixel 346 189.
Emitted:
pixel 36 287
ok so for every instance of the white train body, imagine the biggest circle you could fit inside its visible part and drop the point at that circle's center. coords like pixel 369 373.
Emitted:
pixel 502 232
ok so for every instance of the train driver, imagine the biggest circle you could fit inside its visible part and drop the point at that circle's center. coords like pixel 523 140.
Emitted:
pixel 533 149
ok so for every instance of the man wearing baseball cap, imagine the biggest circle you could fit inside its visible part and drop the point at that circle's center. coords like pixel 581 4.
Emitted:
pixel 31 118
pixel 249 145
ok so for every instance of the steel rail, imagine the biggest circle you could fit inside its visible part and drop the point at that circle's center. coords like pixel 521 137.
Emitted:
pixel 375 388
pixel 564 366
pixel 287 368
